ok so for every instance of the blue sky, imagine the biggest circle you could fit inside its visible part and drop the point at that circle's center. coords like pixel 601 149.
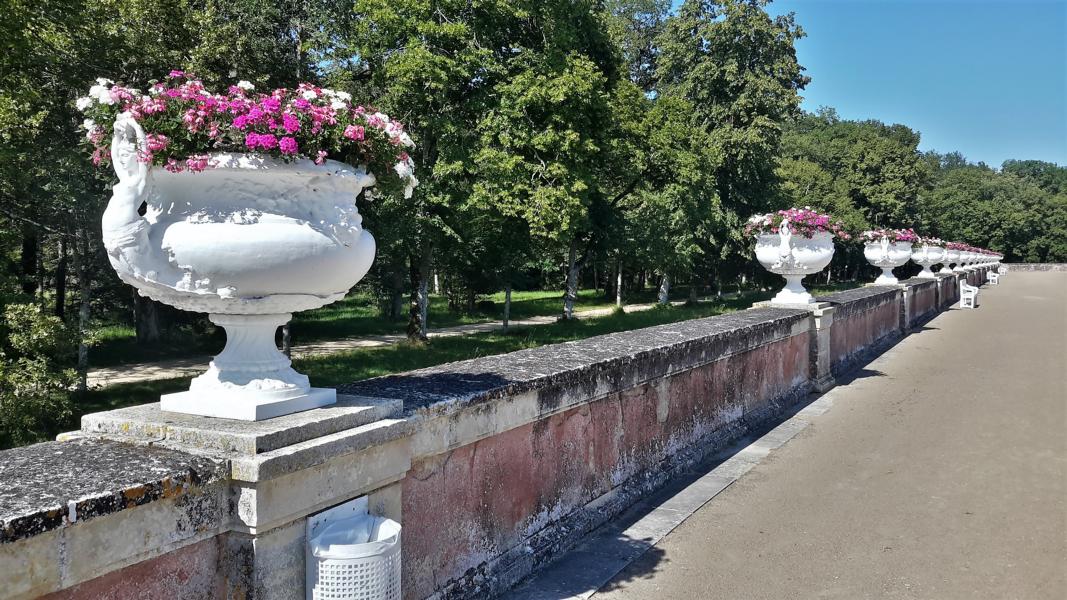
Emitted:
pixel 985 77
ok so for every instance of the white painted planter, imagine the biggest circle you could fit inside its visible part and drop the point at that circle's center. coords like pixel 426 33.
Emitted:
pixel 927 256
pixel 249 242
pixel 967 261
pixel 793 256
pixel 887 255
pixel 951 257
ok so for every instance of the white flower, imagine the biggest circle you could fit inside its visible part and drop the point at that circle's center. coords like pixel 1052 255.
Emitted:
pixel 337 105
pixel 406 140
pixel 309 94
pixel 83 103
pixel 246 85
pixel 102 81
pixel 89 124
pixel 102 94
pixel 404 170
pixel 343 96
pixel 410 187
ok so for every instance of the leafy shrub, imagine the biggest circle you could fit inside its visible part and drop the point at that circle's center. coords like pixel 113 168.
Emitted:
pixel 35 387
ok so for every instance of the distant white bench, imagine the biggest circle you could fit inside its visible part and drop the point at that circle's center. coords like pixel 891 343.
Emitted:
pixel 968 295
pixel 993 278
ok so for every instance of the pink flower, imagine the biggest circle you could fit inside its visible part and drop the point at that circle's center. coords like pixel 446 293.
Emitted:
pixel 267 141
pixel 290 123
pixel 270 104
pixel 175 74
pixel 355 132
pixel 252 140
pixel 287 145
pixel 320 157
pixel 197 162
pixel 156 142
pixel 173 165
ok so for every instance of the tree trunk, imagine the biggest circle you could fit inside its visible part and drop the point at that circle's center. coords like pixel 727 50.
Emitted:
pixel 436 283
pixel 618 283
pixel 28 261
pixel 61 279
pixel 571 295
pixel 81 258
pixel 693 285
pixel 507 304
pixel 419 306
pixel 146 319
pixel 664 289
pixel 287 341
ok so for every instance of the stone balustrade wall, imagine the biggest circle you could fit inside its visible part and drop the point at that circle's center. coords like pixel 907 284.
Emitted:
pixel 1034 266
pixel 493 466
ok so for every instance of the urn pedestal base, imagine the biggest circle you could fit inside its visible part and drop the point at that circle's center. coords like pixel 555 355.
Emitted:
pixel 245 409
pixel 887 277
pixel 926 273
pixel 793 292
pixel 250 379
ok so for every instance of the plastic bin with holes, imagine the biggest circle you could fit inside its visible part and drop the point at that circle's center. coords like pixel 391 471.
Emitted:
pixel 356 557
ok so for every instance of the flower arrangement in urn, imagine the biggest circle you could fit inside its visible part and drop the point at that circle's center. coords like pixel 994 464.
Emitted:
pixel 928 252
pixel 794 243
pixel 960 254
pixel 185 123
pixel 887 249
pixel 250 217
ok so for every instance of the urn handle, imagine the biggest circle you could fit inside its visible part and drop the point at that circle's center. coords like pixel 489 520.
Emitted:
pixel 885 248
pixel 122 223
pixel 127 143
pixel 784 237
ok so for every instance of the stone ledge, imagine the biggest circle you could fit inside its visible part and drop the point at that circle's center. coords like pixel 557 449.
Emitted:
pixel 859 299
pixel 147 423
pixel 51 485
pixel 917 282
pixel 662 349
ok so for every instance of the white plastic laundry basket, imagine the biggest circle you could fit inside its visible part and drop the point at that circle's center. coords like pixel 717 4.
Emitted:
pixel 356 558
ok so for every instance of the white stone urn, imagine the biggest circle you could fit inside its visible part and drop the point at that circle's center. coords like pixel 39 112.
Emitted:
pixel 793 256
pixel 926 256
pixel 952 257
pixel 966 260
pixel 887 255
pixel 249 242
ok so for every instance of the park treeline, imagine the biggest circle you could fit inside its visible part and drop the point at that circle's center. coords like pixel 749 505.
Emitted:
pixel 614 144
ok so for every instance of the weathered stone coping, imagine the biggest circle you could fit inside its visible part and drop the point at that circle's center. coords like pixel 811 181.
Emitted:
pixel 50 485
pixel 239 438
pixel 628 357
pixel 917 282
pixel 859 299
pixel 1034 266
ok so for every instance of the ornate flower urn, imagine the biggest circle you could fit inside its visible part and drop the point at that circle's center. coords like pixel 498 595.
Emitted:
pixel 793 256
pixel 886 255
pixel 966 258
pixel 952 257
pixel 249 242
pixel 926 256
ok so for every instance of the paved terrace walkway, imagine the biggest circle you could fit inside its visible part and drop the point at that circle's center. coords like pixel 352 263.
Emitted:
pixel 194 365
pixel 939 472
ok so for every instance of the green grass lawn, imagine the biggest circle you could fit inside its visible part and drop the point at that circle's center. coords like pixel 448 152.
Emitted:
pixel 354 316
